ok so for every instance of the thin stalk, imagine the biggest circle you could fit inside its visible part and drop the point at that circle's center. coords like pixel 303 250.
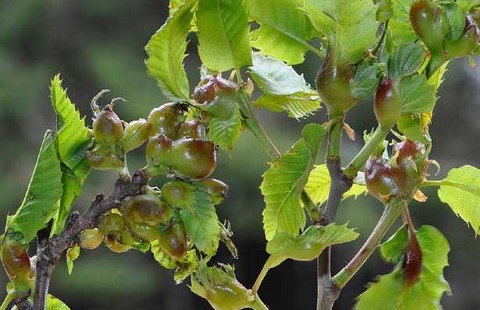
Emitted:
pixel 262 137
pixel 391 212
pixel 359 160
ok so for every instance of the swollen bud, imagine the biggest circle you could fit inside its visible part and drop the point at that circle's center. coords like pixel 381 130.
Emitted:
pixel 193 159
pixel 90 239
pixel 412 260
pixel 158 150
pixel 388 104
pixel 334 86
pixel 167 118
pixel 217 190
pixel 174 241
pixel 207 89
pixel 136 133
pixel 426 20
pixel 107 127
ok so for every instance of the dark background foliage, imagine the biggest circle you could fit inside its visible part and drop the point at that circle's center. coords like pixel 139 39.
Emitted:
pixel 99 44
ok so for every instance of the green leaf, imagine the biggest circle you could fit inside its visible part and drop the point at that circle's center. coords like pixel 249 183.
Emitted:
pixel 354 29
pixel 284 30
pixel 223 34
pixel 221 289
pixel 53 303
pixel 406 59
pixel 417 94
pixel 225 131
pixel 318 186
pixel 454 22
pixel 183 268
pixel 297 105
pixel 200 219
pixel 72 142
pixel 413 127
pixel 161 257
pixel 365 81
pixel 284 181
pixel 461 191
pixel 308 245
pixel 186 267
pixel 320 20
pixel 399 26
pixel 467 5
pixel 44 191
pixel 166 51
pixel 277 78
pixel 390 291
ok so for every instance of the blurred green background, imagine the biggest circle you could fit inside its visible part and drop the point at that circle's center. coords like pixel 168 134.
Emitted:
pixel 99 44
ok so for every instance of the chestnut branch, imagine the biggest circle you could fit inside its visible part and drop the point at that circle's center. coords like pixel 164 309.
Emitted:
pixel 49 251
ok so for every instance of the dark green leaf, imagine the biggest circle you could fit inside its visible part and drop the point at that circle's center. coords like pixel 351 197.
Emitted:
pixel 399 26
pixel 223 34
pixel 417 94
pixel 390 292
pixel 166 51
pixel 284 181
pixel 43 194
pixel 454 21
pixel 461 191
pixel 365 81
pixel 406 59
pixel 201 221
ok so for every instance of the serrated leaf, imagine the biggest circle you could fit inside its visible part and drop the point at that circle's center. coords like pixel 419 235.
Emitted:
pixel 390 291
pixel 200 219
pixel 53 303
pixel 277 78
pixel 417 94
pixel 296 105
pixel 72 142
pixel 221 289
pixel 321 21
pixel 223 34
pixel 166 51
pixel 161 257
pixel 225 131
pixel 43 193
pixel 406 59
pixel 318 186
pixel 308 245
pixel 461 191
pixel 365 81
pixel 284 30
pixel 399 26
pixel 412 126
pixel 354 29
pixel 186 267
pixel 284 181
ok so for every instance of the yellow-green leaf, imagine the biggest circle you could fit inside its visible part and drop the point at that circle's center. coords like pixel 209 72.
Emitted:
pixel 461 191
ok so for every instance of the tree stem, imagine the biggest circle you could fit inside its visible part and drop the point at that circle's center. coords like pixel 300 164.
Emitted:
pixel 339 185
pixel 391 212
pixel 359 160
pixel 49 253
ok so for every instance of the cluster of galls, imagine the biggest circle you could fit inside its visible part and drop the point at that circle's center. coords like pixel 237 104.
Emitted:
pixel 176 145
pixel 400 176
pixel 149 217
pixel 434 24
